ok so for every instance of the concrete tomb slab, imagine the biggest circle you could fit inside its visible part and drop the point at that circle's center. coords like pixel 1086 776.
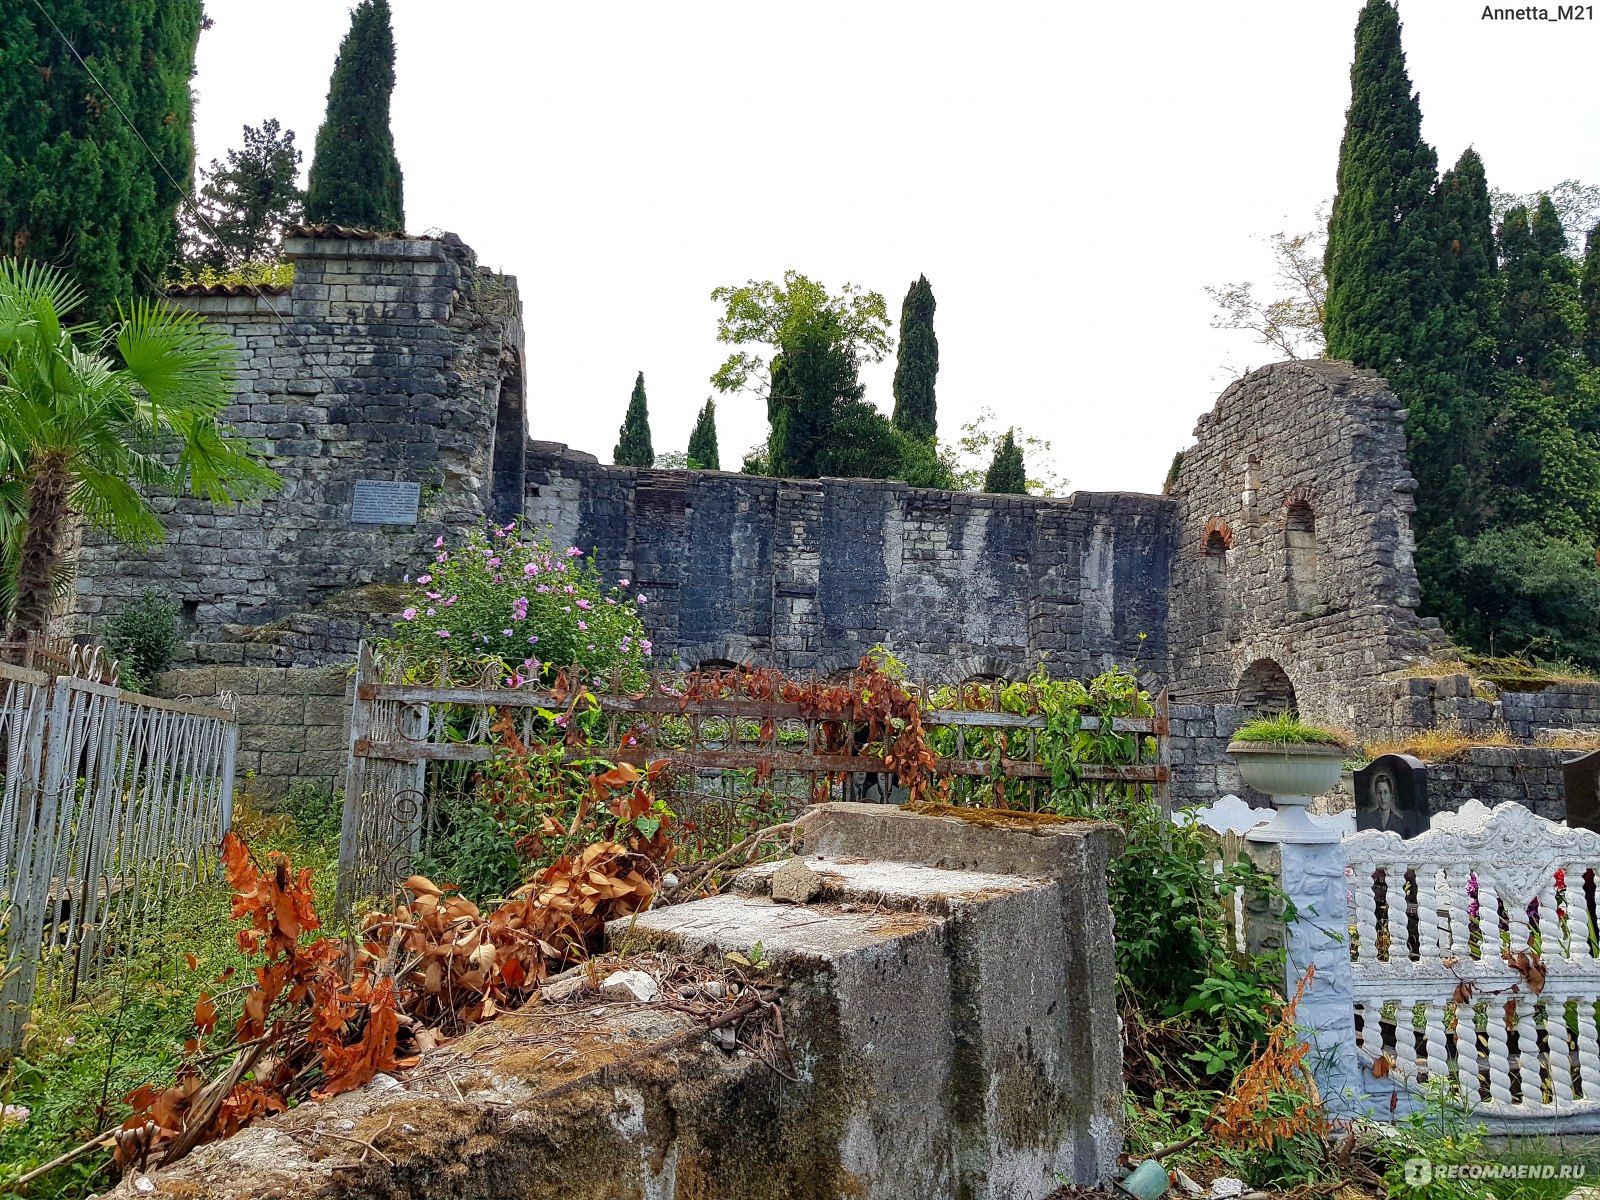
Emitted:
pixel 950 1030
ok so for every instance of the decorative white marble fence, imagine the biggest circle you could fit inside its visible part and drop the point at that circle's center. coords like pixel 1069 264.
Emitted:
pixel 1466 958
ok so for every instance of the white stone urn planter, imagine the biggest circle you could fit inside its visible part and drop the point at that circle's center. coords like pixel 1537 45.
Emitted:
pixel 1293 774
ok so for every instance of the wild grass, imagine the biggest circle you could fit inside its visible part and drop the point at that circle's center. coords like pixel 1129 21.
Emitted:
pixel 80 1059
pixel 1441 744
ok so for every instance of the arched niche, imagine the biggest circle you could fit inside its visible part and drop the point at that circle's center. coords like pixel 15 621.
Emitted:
pixel 1266 687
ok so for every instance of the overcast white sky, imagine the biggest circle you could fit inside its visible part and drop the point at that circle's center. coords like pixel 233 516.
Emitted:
pixel 1068 176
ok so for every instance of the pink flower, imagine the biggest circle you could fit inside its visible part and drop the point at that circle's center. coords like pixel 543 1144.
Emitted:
pixel 450 601
pixel 610 601
pixel 494 562
pixel 583 625
pixel 505 633
pixel 531 570
pixel 533 640
pixel 424 578
pixel 622 583
pixel 642 598
pixel 434 595
pixel 645 644
pixel 438 543
pixel 410 614
pixel 584 604
pixel 574 552
pixel 431 612
pixel 444 633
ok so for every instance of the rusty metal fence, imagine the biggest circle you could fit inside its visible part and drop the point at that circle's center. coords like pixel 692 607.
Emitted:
pixel 111 803
pixel 737 764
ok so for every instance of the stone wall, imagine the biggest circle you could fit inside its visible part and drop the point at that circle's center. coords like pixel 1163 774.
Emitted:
pixel 1527 775
pixel 809 574
pixel 293 724
pixel 392 359
pixel 1292 553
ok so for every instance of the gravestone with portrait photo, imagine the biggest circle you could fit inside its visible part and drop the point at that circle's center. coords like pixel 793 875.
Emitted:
pixel 1580 783
pixel 1392 795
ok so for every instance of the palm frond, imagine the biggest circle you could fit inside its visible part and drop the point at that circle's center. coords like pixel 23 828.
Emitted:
pixel 220 468
pixel 181 361
pixel 113 505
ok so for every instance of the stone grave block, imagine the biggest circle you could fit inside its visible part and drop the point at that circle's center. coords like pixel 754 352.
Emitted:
pixel 1392 795
pixel 1580 783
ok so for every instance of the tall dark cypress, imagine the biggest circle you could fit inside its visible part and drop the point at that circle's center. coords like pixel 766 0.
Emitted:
pixel 633 439
pixel 1384 285
pixel 355 177
pixel 917 367
pixel 702 453
pixel 1446 384
pixel 77 187
pixel 1589 297
pixel 1007 474
pixel 1537 330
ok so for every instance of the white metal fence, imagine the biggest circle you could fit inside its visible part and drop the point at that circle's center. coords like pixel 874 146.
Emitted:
pixel 109 802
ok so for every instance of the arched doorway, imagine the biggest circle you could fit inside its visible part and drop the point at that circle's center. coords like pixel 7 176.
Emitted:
pixel 1266 687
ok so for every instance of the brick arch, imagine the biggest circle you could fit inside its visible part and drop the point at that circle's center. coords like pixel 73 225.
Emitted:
pixel 1301 496
pixel 1217 537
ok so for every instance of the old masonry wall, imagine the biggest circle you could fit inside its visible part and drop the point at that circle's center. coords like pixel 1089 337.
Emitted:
pixel 392 360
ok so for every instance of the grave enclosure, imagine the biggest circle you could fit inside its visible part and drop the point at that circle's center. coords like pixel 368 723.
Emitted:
pixel 387 385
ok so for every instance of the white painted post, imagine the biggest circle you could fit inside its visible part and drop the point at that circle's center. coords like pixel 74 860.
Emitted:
pixel 1311 874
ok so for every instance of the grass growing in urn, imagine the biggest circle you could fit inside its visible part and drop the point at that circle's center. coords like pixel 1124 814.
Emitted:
pixel 1287 729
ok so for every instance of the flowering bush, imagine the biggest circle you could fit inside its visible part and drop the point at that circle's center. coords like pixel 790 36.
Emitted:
pixel 519 602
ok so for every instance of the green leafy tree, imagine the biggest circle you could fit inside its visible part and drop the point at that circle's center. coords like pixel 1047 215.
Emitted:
pixel 92 421
pixel 1007 474
pixel 917 369
pixel 817 343
pixel 633 439
pixel 868 445
pixel 355 177
pixel 814 380
pixel 1382 258
pixel 78 188
pixel 245 204
pixel 703 454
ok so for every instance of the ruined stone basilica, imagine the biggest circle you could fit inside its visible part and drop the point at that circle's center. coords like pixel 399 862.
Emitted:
pixel 388 386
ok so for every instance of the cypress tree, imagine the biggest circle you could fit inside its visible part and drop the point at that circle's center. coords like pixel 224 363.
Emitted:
pixel 917 367
pixel 1446 390
pixel 1538 326
pixel 1384 274
pixel 1589 297
pixel 1007 475
pixel 633 439
pixel 355 177
pixel 703 454
pixel 77 187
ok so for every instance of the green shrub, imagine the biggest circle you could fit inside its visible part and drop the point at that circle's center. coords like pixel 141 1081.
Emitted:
pixel 522 607
pixel 143 637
